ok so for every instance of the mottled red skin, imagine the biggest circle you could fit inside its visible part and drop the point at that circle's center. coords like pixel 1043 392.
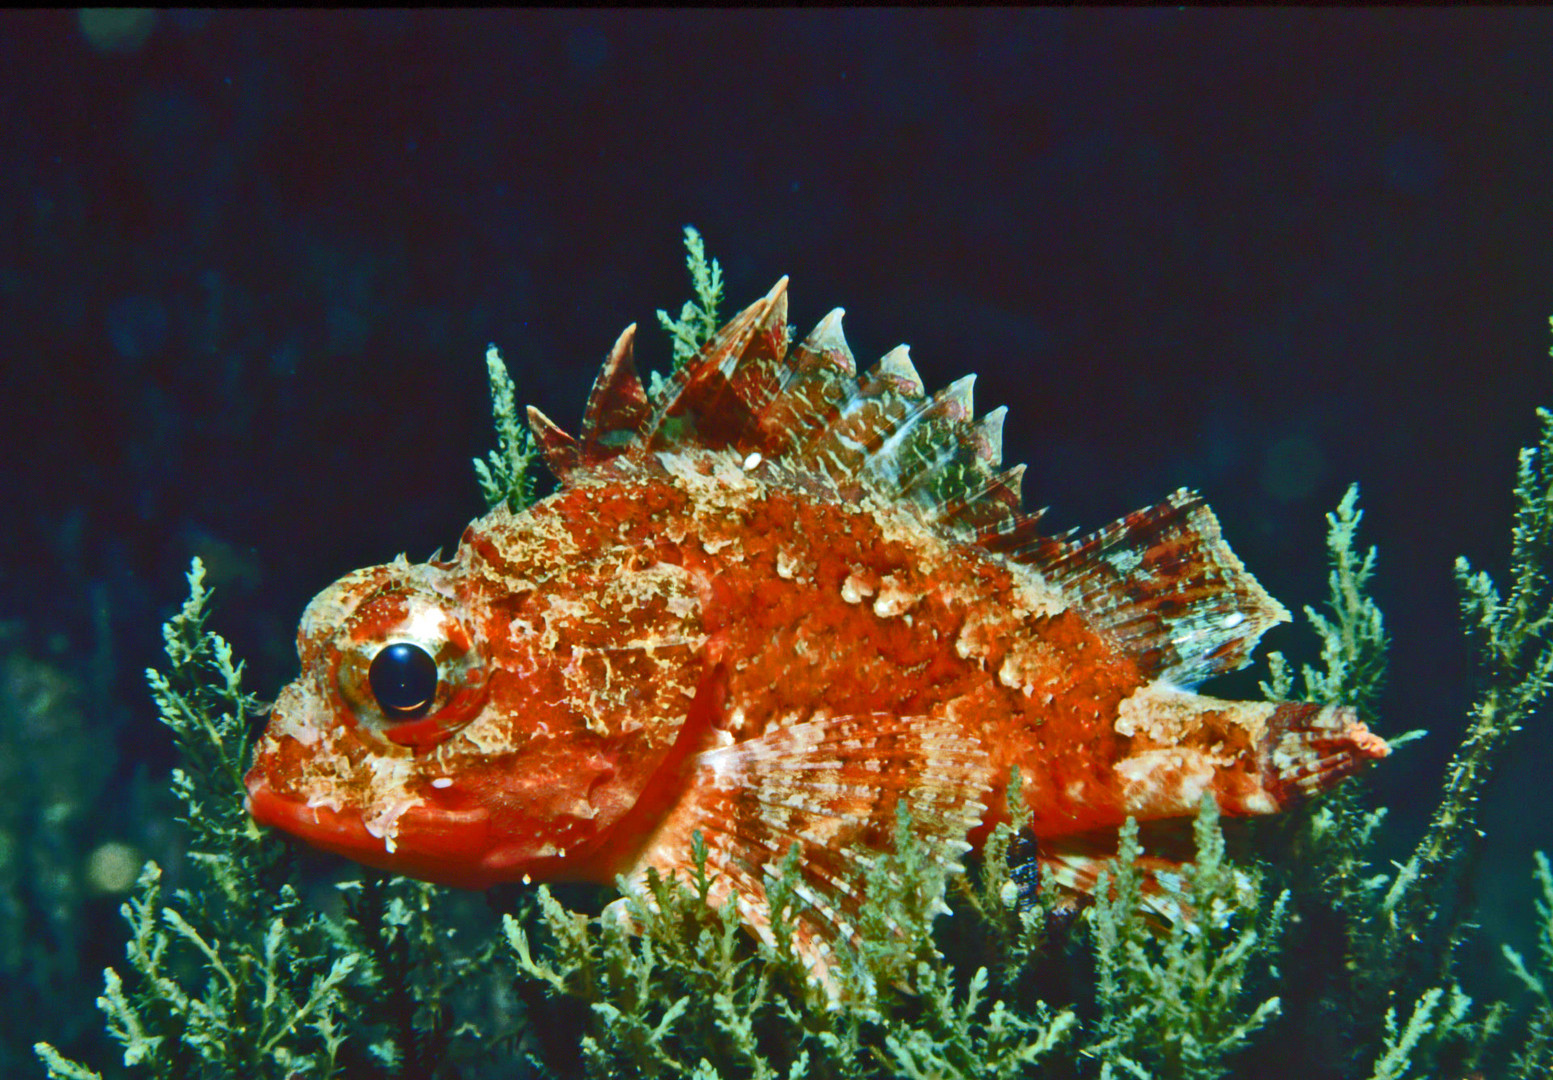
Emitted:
pixel 769 646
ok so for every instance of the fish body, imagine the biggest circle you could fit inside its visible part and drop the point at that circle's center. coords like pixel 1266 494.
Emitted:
pixel 767 609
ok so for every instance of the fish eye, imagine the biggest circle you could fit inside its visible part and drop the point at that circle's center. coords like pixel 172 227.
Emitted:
pixel 403 677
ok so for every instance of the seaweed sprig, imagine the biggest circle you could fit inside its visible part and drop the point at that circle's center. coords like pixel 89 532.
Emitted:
pixel 698 319
pixel 1534 1058
pixel 1179 1004
pixel 1424 907
pixel 509 477
pixel 233 976
pixel 690 994
pixel 1334 835
pixel 1354 640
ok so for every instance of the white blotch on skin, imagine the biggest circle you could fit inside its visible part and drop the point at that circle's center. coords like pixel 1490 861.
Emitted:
pixel 893 599
pixel 854 588
pixel 1124 561
pixel 785 565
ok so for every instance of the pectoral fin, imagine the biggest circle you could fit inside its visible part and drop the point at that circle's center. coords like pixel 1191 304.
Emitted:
pixel 827 790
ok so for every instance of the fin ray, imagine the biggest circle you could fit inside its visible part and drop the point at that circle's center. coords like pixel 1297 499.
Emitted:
pixel 617 406
pixel 557 447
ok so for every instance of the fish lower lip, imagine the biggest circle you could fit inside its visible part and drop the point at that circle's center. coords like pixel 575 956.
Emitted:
pixel 444 846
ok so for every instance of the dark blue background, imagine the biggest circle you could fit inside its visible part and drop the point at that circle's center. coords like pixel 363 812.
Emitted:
pixel 249 264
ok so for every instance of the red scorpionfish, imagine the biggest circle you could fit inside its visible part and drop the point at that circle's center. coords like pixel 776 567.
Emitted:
pixel 767 607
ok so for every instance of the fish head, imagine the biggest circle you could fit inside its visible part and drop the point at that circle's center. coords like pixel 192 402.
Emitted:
pixel 454 732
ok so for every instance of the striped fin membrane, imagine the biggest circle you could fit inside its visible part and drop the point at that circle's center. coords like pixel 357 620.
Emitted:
pixel 806 408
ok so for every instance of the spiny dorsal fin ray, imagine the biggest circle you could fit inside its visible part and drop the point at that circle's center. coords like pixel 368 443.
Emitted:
pixel 617 407
pixel 821 377
pixel 1166 588
pixel 897 365
pixel 986 507
pixel 884 436
pixel 830 787
pixel 921 441
pixel 937 454
pixel 714 399
pixel 557 447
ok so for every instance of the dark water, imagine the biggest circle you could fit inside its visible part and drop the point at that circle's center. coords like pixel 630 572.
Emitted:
pixel 249 265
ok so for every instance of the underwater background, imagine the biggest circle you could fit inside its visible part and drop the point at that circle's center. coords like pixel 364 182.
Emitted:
pixel 250 264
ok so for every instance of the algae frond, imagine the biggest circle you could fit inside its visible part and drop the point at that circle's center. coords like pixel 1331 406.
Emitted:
pixel 698 319
pixel 692 994
pixel 509 476
pixel 1175 1004
pixel 1535 1055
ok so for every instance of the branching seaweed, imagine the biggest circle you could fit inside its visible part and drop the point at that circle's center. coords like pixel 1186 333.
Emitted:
pixel 692 995
pixel 1516 653
pixel 1534 1058
pixel 698 319
pixel 1177 1004
pixel 1354 642
pixel 1437 1013
pixel 1335 833
pixel 233 975
pixel 509 478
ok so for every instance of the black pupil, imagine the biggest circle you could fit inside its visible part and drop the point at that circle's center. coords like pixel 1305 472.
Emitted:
pixel 404 680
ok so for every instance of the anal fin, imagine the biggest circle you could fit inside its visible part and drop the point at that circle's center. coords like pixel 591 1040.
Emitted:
pixel 1070 869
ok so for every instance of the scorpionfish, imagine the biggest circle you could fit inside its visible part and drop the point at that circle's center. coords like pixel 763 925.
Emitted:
pixel 767 605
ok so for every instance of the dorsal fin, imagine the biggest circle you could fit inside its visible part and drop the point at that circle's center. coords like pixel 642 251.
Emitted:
pixel 616 411
pixel 558 448
pixel 1161 582
pixel 807 409
pixel 617 406
pixel 713 400
pixel 1166 587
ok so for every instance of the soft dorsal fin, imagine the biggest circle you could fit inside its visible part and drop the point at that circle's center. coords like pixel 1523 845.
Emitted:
pixel 1166 587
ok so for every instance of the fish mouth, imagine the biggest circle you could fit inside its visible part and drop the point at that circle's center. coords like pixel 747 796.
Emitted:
pixel 438 844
